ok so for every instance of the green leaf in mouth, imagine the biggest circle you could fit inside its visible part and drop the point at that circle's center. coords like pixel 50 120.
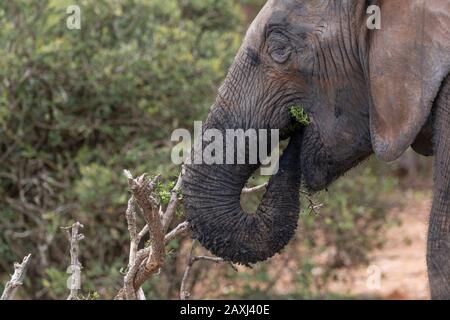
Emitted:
pixel 300 116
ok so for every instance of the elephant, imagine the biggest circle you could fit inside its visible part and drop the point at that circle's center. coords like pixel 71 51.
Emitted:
pixel 366 91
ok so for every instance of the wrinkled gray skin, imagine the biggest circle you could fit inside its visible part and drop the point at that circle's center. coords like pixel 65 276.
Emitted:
pixel 359 88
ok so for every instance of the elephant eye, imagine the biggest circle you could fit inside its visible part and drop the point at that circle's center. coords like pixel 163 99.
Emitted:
pixel 278 47
pixel 280 54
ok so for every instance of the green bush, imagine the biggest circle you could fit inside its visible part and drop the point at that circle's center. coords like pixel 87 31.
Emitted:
pixel 79 106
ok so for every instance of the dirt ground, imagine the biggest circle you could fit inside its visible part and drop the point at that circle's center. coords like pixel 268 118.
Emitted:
pixel 398 270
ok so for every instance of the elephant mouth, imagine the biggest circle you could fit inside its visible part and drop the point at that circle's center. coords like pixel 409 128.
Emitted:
pixel 212 201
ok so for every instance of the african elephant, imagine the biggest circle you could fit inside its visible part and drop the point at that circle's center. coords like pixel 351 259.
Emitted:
pixel 366 92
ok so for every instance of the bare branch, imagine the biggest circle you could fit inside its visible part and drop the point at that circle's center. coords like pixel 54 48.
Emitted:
pixel 144 263
pixel 184 292
pixel 173 202
pixel 74 281
pixel 313 207
pixel 128 292
pixel 206 258
pixel 150 210
pixel 135 239
pixel 147 262
pixel 255 189
pixel 16 279
pixel 178 231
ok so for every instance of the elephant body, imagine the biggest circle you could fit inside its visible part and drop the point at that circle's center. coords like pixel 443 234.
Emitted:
pixel 365 91
pixel 438 253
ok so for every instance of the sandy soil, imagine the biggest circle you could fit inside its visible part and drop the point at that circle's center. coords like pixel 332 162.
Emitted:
pixel 398 270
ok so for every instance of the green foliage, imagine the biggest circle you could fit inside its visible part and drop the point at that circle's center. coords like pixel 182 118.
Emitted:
pixel 55 281
pixel 79 106
pixel 164 191
pixel 300 116
pixel 299 119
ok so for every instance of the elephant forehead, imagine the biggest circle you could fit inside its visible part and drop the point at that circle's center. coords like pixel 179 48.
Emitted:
pixel 255 34
pixel 288 13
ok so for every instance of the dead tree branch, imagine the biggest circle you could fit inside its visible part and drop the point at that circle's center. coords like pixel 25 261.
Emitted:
pixel 16 279
pixel 312 206
pixel 181 229
pixel 135 239
pixel 74 281
pixel 146 262
pixel 173 203
pixel 184 292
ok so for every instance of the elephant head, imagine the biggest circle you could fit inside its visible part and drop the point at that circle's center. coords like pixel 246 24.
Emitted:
pixel 365 91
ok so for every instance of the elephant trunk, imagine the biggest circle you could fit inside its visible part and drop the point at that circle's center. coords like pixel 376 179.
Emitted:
pixel 212 206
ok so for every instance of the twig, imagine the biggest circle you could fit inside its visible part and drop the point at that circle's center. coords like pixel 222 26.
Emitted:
pixel 16 279
pixel 313 207
pixel 173 202
pixel 175 233
pixel 74 281
pixel 255 189
pixel 206 258
pixel 184 293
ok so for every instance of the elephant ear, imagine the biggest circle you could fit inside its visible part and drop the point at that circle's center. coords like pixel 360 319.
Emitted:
pixel 408 60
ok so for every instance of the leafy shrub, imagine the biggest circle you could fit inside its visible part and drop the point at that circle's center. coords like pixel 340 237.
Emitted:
pixel 79 106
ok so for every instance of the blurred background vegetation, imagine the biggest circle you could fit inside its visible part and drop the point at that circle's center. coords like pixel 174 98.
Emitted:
pixel 79 106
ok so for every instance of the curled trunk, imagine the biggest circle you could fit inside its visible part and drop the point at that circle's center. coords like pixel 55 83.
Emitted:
pixel 212 205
